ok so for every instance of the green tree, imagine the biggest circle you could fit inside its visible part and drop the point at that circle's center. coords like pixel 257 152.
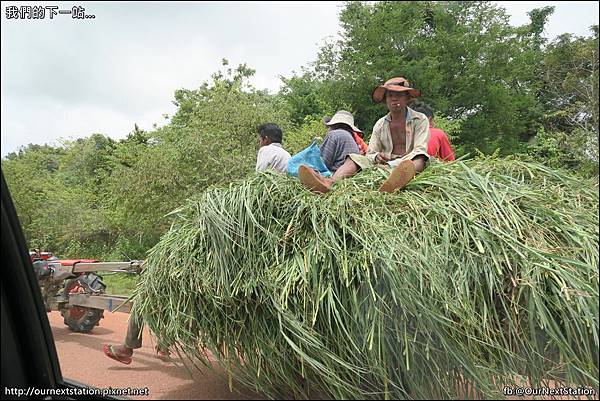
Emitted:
pixel 29 176
pixel 58 194
pixel 212 139
pixel 470 64
pixel 303 96
pixel 570 98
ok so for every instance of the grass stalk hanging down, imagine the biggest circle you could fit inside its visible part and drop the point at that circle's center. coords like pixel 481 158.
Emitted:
pixel 479 274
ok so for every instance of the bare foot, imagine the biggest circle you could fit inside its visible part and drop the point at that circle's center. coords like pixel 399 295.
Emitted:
pixel 313 180
pixel 401 175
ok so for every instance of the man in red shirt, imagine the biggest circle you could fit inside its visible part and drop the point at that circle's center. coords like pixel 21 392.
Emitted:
pixel 438 146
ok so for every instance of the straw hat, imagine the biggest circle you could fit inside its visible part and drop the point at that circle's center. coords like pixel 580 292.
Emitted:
pixel 397 84
pixel 341 117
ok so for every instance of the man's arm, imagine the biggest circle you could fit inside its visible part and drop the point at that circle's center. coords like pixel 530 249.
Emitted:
pixel 375 145
pixel 419 162
pixel 421 140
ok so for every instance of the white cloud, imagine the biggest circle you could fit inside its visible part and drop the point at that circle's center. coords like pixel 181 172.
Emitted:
pixel 69 77
pixel 47 122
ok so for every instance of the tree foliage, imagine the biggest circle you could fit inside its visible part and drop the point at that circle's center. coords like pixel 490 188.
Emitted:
pixel 570 98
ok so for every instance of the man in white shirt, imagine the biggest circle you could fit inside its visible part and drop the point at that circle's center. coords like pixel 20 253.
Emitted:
pixel 271 153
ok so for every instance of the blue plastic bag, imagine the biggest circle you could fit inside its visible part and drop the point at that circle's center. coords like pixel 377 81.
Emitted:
pixel 311 157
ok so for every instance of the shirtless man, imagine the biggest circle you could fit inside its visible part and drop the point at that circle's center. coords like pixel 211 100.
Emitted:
pixel 398 143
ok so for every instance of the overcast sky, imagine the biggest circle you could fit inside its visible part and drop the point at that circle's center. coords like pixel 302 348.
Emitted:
pixel 69 78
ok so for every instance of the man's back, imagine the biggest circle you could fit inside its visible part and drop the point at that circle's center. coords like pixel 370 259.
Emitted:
pixel 274 156
pixel 439 146
pixel 338 144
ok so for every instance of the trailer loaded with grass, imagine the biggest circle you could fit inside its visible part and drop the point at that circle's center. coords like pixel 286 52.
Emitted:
pixel 479 274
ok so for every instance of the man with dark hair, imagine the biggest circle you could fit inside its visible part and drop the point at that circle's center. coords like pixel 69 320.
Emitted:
pixel 271 152
pixel 439 146
pixel 398 143
pixel 339 142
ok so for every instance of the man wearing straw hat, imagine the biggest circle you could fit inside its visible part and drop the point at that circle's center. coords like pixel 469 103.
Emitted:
pixel 339 142
pixel 398 143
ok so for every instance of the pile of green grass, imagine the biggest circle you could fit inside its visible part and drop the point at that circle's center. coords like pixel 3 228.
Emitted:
pixel 479 274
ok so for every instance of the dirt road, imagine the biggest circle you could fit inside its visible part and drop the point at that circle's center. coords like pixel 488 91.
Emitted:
pixel 81 359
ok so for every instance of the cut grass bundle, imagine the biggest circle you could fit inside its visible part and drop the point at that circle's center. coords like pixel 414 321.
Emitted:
pixel 477 275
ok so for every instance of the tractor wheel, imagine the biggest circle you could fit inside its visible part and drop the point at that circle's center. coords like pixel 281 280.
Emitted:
pixel 81 319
